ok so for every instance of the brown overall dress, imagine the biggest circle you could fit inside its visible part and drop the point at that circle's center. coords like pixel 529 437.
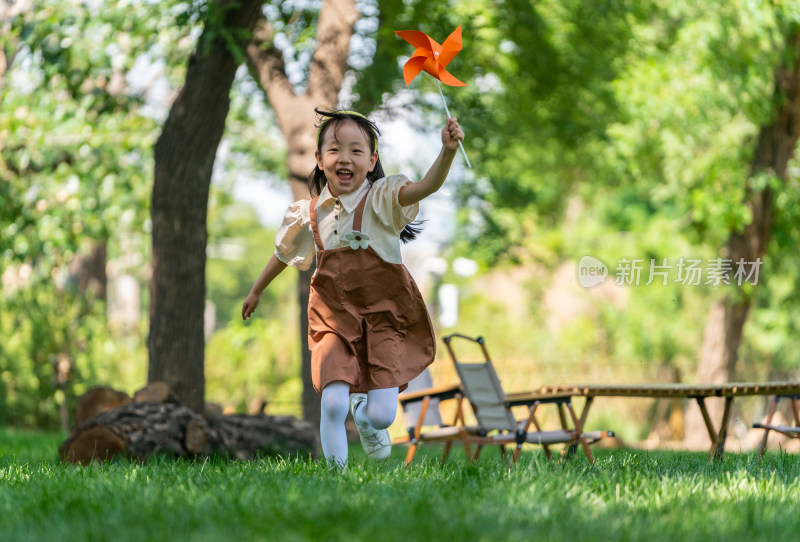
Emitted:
pixel 367 322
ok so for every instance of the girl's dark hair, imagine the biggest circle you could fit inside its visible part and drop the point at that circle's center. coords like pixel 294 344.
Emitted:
pixel 317 181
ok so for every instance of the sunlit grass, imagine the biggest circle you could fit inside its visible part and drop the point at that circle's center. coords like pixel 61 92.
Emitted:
pixel 625 495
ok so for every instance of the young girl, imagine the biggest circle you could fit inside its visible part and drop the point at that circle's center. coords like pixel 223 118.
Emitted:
pixel 369 331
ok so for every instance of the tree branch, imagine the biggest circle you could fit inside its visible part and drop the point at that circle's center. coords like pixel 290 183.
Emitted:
pixel 295 113
pixel 8 11
pixel 329 62
pixel 268 67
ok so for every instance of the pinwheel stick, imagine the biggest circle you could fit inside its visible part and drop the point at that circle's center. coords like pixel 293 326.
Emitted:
pixel 447 112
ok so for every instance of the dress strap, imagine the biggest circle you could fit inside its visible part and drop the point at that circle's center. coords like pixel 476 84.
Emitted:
pixel 312 210
pixel 359 211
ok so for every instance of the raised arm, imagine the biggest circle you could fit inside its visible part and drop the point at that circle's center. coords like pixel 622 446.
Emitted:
pixel 413 192
pixel 271 270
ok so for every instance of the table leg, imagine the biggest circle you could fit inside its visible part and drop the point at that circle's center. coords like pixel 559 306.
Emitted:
pixel 712 433
pixel 723 429
pixel 772 408
pixel 795 411
pixel 562 417
pixel 585 411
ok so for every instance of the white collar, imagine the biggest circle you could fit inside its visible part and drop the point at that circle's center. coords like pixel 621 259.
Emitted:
pixel 349 201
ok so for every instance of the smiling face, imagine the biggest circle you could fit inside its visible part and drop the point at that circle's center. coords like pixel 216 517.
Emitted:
pixel 345 157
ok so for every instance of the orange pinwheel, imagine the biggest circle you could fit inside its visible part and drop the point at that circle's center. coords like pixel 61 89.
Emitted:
pixel 431 57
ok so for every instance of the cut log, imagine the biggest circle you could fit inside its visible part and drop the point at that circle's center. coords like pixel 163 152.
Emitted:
pixel 141 430
pixel 98 400
pixel 195 441
pixel 95 443
pixel 155 392
pixel 248 436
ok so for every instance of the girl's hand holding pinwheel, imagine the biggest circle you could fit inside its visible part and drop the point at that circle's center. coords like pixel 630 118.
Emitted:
pixel 433 59
pixel 452 134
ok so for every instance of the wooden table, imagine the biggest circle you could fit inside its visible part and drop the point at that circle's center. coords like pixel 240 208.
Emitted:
pixel 698 392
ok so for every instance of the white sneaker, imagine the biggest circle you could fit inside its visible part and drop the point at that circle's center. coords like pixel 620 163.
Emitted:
pixel 376 442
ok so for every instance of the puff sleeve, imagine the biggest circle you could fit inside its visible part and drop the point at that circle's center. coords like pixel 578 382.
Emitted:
pixel 387 208
pixel 294 242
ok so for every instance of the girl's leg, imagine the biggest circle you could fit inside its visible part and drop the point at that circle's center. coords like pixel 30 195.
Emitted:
pixel 379 410
pixel 335 406
pixel 373 413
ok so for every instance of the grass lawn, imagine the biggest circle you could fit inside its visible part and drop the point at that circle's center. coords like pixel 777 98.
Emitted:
pixel 625 495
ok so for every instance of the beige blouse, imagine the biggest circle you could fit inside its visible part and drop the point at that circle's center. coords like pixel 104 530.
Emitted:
pixel 384 218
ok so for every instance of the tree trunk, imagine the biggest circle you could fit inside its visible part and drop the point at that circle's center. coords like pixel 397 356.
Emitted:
pixel 88 271
pixel 311 403
pixel 184 159
pixel 295 115
pixel 776 146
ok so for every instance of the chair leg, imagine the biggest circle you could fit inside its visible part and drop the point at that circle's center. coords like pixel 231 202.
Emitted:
pixel 446 453
pixel 578 431
pixel 412 450
pixel 532 420
pixel 467 449
pixel 415 432
pixel 584 415
pixel 571 448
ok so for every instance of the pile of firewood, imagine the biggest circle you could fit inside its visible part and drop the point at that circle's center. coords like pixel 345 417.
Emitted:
pixel 151 423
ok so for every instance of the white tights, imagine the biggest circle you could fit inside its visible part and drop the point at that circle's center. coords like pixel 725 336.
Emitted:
pixel 378 411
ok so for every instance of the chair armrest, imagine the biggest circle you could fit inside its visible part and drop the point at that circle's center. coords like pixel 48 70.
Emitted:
pixel 438 392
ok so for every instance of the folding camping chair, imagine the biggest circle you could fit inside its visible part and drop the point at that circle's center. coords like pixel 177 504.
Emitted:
pixel 423 420
pixel 497 424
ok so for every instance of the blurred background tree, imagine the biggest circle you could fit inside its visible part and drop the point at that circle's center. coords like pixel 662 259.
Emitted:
pixel 75 146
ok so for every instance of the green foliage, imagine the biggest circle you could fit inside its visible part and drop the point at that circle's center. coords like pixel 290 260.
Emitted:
pixel 238 248
pixel 625 495
pixel 256 145
pixel 259 359
pixel 75 159
pixel 57 346
pixel 696 103
pixel 620 130
pixel 658 99
pixel 250 363
pixel 774 324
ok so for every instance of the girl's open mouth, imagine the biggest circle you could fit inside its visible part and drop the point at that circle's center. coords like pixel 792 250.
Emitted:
pixel 344 175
